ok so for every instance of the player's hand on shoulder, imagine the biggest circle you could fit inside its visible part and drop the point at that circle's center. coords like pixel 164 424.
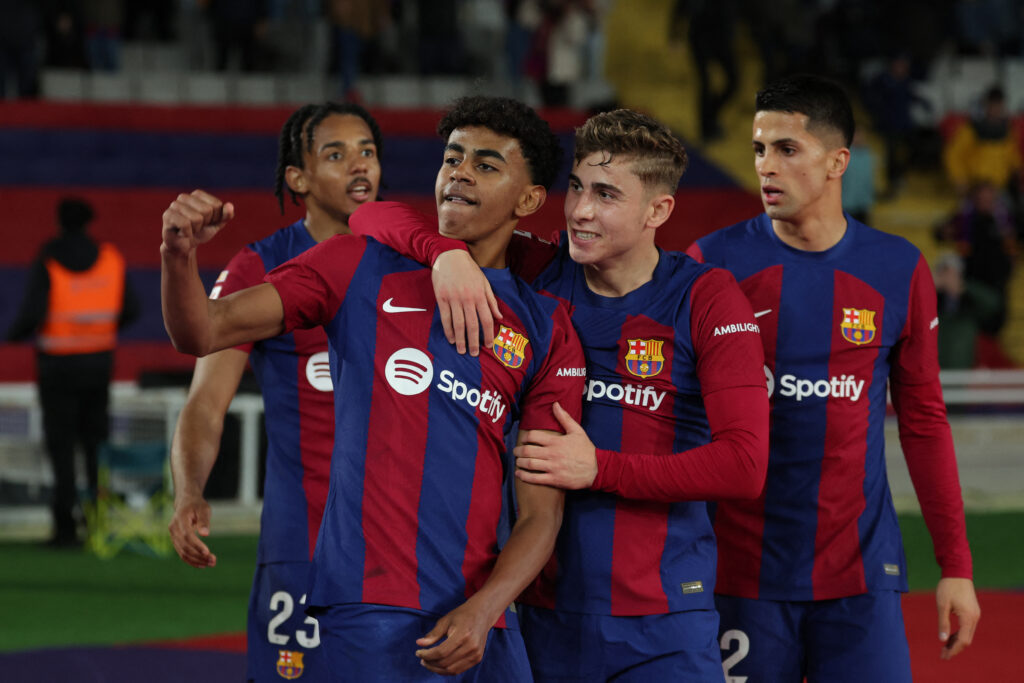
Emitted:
pixel 193 219
pixel 466 303
pixel 463 636
pixel 190 520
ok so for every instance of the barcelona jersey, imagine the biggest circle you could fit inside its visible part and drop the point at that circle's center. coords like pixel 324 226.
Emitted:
pixel 294 377
pixel 652 355
pixel 415 500
pixel 839 327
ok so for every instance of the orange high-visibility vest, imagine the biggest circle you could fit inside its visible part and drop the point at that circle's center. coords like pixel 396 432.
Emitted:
pixel 84 306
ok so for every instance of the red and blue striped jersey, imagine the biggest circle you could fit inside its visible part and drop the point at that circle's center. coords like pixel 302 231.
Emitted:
pixel 653 356
pixel 837 326
pixel 416 486
pixel 294 378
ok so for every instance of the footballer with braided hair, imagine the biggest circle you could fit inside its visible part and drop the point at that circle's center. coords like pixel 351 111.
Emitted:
pixel 329 157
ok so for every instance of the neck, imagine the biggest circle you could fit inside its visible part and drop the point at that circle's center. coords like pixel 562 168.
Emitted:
pixel 323 227
pixel 622 276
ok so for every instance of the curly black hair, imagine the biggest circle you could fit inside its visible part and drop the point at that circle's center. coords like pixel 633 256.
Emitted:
pixel 297 137
pixel 505 116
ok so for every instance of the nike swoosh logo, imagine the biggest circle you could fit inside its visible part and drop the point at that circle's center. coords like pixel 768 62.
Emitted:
pixel 391 308
pixel 764 312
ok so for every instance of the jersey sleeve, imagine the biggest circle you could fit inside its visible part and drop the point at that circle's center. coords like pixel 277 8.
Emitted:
pixel 924 428
pixel 312 285
pixel 404 229
pixel 560 378
pixel 695 252
pixel 244 270
pixel 730 367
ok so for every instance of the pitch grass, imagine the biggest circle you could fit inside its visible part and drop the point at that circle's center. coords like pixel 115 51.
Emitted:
pixel 54 598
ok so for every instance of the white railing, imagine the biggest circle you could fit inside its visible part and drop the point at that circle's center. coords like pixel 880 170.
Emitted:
pixel 151 414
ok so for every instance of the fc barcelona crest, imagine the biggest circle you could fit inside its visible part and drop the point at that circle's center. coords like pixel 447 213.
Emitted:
pixel 289 664
pixel 644 358
pixel 510 347
pixel 858 325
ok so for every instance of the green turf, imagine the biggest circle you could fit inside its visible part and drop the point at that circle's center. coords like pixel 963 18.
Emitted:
pixel 996 545
pixel 52 597
pixel 58 597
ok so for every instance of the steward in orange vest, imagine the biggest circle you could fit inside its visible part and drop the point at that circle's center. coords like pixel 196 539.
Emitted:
pixel 76 299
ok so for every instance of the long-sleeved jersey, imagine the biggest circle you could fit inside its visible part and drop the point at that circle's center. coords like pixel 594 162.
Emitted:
pixel 294 375
pixel 415 494
pixel 674 404
pixel 838 326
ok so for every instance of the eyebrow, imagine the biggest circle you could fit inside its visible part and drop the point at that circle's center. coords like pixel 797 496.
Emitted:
pixel 341 145
pixel 600 187
pixel 492 153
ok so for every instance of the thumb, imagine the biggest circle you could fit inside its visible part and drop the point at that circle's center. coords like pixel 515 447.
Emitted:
pixel 565 419
pixel 203 522
pixel 435 634
pixel 227 212
pixel 492 301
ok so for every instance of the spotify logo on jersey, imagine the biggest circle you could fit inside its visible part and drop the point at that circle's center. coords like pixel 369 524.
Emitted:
pixel 318 371
pixel 409 371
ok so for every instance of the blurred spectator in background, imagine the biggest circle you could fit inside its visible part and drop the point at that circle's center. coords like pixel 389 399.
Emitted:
pixel 355 24
pixel 103 21
pixel 19 43
pixel 964 307
pixel 76 300
pixel 237 28
pixel 150 19
pixel 65 35
pixel 987 27
pixel 439 47
pixel 711 36
pixel 566 26
pixel 859 179
pixel 982 231
pixel 986 149
pixel 890 97
pixel 523 18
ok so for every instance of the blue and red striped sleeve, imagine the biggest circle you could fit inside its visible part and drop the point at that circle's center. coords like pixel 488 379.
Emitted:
pixel 924 428
pixel 560 378
pixel 730 367
pixel 312 285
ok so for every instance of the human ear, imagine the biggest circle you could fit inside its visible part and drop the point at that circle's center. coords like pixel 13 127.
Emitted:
pixel 530 200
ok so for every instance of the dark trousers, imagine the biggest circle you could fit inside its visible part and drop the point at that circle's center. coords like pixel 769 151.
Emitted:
pixel 74 392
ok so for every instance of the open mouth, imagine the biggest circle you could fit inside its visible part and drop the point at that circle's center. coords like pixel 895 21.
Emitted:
pixel 584 236
pixel 453 198
pixel 360 189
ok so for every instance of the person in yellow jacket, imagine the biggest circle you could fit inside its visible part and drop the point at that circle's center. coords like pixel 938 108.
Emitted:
pixel 986 149
pixel 77 298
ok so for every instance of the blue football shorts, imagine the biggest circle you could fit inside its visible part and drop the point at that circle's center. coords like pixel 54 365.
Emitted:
pixel 377 644
pixel 283 642
pixel 566 646
pixel 846 640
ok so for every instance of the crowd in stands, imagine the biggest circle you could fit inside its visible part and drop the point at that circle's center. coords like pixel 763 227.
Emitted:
pixel 881 49
pixel 552 42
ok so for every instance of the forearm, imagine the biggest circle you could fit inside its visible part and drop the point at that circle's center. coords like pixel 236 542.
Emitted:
pixel 405 230
pixel 927 445
pixel 732 466
pixel 528 549
pixel 184 303
pixel 195 449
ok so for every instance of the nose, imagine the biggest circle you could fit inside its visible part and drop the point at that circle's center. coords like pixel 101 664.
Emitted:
pixel 764 165
pixel 581 207
pixel 462 173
